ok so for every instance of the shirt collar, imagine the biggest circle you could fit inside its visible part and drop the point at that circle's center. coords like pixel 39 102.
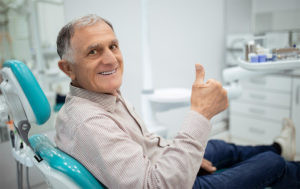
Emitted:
pixel 106 101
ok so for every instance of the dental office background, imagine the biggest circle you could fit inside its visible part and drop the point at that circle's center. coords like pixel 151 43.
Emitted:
pixel 180 33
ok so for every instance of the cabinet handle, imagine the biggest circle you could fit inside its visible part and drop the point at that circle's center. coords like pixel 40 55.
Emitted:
pixel 297 94
pixel 257 111
pixel 258 96
pixel 259 81
pixel 256 130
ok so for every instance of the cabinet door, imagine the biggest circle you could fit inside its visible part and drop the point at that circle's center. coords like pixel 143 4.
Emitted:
pixel 252 129
pixel 296 110
pixel 259 112
pixel 273 83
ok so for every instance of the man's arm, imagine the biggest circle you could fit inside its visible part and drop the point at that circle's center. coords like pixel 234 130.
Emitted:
pixel 119 162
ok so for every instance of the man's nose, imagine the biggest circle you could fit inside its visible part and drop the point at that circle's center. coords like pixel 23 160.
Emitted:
pixel 109 57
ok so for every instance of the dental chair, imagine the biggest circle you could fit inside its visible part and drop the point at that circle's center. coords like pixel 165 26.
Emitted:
pixel 23 101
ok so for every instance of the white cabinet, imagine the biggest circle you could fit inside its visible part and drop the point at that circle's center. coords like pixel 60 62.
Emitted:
pixel 296 109
pixel 257 115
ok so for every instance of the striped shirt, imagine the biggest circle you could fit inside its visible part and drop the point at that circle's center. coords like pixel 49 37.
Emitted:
pixel 104 133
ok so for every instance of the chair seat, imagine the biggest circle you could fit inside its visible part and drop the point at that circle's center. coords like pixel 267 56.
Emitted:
pixel 63 162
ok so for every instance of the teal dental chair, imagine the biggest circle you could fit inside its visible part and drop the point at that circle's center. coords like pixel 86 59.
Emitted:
pixel 24 102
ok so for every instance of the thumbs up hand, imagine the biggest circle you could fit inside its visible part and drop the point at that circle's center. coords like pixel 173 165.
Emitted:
pixel 208 98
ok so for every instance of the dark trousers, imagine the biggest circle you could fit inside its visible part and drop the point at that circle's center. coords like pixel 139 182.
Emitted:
pixel 247 167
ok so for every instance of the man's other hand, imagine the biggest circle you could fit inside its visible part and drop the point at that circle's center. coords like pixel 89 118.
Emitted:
pixel 208 98
pixel 207 166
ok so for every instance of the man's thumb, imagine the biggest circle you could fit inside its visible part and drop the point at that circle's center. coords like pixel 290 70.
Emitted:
pixel 200 74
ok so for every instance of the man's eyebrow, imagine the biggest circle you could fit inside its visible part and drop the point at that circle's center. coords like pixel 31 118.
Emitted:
pixel 94 46
pixel 99 45
pixel 115 41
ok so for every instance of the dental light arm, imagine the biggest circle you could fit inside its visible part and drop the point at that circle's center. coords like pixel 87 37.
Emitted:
pixel 232 76
pixel 23 99
pixel 235 74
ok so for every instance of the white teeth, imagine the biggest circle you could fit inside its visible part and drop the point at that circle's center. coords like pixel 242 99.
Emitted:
pixel 108 73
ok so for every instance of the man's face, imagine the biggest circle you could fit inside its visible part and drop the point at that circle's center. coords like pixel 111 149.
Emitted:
pixel 98 62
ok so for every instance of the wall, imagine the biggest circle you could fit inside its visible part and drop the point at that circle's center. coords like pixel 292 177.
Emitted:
pixel 275 15
pixel 238 16
pixel 259 16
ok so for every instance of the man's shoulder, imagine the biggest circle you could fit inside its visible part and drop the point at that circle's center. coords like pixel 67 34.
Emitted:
pixel 82 104
pixel 77 108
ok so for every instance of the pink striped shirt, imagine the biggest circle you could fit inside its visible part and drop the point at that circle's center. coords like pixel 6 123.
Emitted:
pixel 105 134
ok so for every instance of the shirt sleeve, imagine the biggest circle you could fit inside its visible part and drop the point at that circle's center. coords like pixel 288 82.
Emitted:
pixel 118 161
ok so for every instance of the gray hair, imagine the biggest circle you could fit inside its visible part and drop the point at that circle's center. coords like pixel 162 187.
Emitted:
pixel 63 41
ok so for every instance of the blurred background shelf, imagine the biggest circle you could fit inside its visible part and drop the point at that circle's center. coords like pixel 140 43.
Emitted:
pixel 270 66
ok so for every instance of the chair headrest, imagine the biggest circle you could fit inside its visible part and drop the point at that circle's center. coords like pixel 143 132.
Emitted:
pixel 38 102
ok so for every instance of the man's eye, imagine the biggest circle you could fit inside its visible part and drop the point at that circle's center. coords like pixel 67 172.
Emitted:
pixel 92 52
pixel 113 47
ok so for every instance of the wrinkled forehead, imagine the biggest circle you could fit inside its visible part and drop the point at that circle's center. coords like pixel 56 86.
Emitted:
pixel 97 32
pixel 79 27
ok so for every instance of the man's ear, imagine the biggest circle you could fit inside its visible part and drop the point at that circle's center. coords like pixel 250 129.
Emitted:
pixel 67 68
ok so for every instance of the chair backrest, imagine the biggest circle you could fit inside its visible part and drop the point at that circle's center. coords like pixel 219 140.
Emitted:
pixel 63 162
pixel 28 104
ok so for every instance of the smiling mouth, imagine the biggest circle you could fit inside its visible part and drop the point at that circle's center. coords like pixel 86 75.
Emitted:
pixel 109 72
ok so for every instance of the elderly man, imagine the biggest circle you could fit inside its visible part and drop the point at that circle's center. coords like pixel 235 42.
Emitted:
pixel 101 130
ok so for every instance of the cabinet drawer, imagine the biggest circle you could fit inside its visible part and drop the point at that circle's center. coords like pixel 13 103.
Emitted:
pixel 265 97
pixel 259 111
pixel 254 129
pixel 279 83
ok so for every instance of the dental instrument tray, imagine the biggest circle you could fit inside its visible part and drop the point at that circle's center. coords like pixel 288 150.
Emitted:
pixel 270 66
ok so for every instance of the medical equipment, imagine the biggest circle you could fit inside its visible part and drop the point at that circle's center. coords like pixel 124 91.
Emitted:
pixel 24 102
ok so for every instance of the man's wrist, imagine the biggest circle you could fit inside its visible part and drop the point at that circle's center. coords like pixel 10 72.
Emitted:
pixel 206 114
pixel 197 126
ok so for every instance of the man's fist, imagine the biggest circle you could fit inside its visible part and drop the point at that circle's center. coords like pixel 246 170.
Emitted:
pixel 208 98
